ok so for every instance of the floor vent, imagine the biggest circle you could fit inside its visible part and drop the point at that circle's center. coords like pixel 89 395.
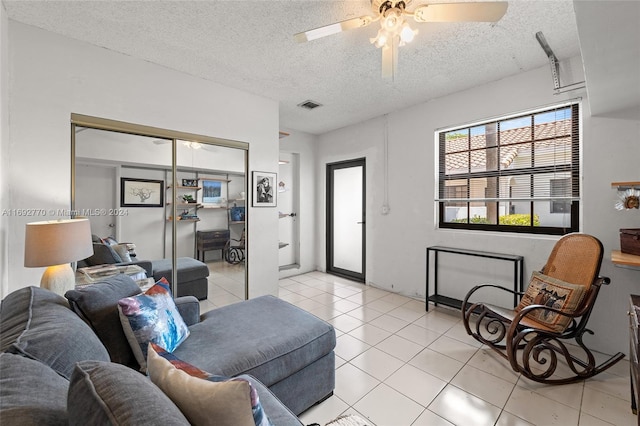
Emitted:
pixel 309 105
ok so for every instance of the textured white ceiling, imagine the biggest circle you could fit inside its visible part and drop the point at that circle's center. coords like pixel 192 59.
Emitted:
pixel 249 45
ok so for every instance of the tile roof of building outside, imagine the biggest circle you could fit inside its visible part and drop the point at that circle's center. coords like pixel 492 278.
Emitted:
pixel 545 134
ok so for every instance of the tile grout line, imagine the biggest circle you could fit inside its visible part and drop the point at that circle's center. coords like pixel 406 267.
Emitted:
pixel 363 304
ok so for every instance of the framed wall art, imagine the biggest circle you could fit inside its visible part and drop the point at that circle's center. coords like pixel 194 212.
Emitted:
pixel 213 192
pixel 141 193
pixel 190 183
pixel 264 192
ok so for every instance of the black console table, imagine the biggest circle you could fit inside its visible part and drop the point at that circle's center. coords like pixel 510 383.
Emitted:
pixel 518 273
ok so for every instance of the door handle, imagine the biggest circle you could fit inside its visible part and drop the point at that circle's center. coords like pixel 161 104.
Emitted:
pixel 281 215
pixel 360 223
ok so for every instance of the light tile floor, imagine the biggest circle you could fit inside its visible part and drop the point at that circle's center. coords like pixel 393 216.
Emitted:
pixel 398 365
pixel 226 284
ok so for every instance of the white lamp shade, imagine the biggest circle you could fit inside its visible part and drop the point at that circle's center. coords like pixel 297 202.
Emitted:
pixel 57 242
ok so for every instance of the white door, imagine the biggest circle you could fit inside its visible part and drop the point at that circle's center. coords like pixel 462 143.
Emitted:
pixel 95 197
pixel 288 196
pixel 346 219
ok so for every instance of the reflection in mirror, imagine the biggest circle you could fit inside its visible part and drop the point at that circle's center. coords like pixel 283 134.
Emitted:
pixel 210 187
pixel 124 185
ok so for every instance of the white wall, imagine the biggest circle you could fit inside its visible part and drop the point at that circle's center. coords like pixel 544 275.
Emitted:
pixel 53 76
pixel 304 144
pixel 611 151
pixel 4 148
pixel 396 242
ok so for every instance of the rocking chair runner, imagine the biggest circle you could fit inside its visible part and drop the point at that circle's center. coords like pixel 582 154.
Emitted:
pixel 525 337
pixel 234 253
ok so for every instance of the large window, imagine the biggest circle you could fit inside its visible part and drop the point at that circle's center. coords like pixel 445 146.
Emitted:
pixel 517 174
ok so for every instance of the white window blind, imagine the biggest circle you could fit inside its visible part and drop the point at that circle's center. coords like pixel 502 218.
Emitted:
pixel 500 172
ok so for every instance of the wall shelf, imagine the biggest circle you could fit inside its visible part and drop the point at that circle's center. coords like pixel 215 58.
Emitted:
pixel 213 179
pixel 192 188
pixel 625 185
pixel 180 204
pixel 617 256
pixel 187 205
pixel 625 259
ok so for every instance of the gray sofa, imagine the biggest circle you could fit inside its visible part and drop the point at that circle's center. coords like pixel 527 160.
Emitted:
pixel 192 274
pixel 50 346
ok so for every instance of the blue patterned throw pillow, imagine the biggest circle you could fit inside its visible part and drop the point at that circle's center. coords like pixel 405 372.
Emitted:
pixel 162 371
pixel 152 317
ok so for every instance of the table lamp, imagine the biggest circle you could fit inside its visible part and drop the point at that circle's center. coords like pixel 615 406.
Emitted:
pixel 55 244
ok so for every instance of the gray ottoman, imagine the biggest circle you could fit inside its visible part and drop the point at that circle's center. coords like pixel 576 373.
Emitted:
pixel 192 276
pixel 284 347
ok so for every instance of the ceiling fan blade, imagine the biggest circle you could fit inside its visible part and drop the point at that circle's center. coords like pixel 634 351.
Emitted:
pixel 390 60
pixel 461 12
pixel 349 24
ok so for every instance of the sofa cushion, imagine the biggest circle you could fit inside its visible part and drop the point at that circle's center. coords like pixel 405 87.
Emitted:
pixel 202 398
pixel 189 269
pixel 189 308
pixel 38 324
pixel 123 252
pixel 152 317
pixel 110 241
pixel 103 253
pixel 265 337
pixel 31 393
pixel 277 412
pixel 97 304
pixel 102 393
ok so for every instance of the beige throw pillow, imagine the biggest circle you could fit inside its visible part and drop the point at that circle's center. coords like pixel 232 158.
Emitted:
pixel 555 293
pixel 201 401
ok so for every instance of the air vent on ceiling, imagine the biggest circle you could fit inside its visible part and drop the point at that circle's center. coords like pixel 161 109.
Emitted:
pixel 309 104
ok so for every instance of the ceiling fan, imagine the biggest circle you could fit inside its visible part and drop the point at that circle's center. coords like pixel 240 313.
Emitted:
pixel 394 29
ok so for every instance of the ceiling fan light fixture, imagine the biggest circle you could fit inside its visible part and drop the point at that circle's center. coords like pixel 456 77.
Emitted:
pixel 192 145
pixel 393 27
pixel 393 19
pixel 407 34
pixel 381 39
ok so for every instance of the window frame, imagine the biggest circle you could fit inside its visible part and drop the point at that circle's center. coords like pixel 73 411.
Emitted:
pixel 573 168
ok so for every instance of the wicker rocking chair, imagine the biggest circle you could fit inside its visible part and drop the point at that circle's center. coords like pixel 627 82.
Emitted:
pixel 546 326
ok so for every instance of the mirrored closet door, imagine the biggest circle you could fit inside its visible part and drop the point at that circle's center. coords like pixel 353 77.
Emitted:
pixel 165 195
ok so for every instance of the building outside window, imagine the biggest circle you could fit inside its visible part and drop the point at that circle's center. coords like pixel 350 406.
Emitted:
pixel 560 188
pixel 514 174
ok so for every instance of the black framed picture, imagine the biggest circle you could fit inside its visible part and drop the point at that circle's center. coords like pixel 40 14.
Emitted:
pixel 141 192
pixel 191 183
pixel 264 192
